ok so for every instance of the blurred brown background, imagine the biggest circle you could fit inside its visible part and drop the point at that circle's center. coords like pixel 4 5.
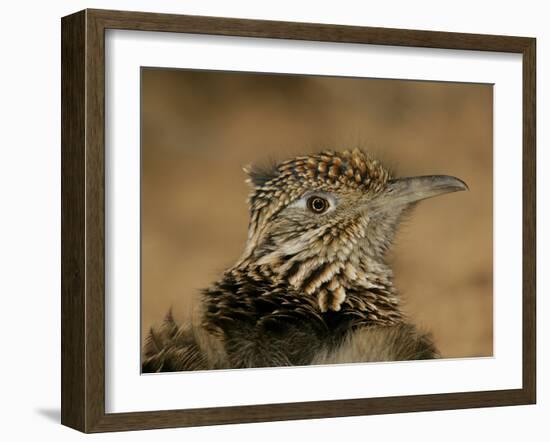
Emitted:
pixel 199 129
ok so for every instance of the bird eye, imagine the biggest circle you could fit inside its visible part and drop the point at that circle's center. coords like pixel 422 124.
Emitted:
pixel 317 204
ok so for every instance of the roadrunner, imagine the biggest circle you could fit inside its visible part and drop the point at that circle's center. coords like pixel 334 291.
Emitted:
pixel 313 285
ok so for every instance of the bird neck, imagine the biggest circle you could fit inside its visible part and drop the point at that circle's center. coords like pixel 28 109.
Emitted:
pixel 360 286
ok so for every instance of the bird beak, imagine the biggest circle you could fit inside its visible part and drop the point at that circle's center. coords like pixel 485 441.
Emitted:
pixel 402 192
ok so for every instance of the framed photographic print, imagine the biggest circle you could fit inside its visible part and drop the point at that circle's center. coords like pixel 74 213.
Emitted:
pixel 269 220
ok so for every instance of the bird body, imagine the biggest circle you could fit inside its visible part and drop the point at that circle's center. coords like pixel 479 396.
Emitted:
pixel 313 285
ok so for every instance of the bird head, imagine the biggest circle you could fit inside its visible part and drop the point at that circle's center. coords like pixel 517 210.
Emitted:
pixel 323 223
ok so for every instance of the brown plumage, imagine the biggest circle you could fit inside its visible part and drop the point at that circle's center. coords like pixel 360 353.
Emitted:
pixel 313 285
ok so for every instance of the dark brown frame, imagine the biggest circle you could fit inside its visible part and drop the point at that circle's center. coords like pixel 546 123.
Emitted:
pixel 83 216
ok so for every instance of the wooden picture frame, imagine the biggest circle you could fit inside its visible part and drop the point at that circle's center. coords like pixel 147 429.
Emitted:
pixel 83 220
